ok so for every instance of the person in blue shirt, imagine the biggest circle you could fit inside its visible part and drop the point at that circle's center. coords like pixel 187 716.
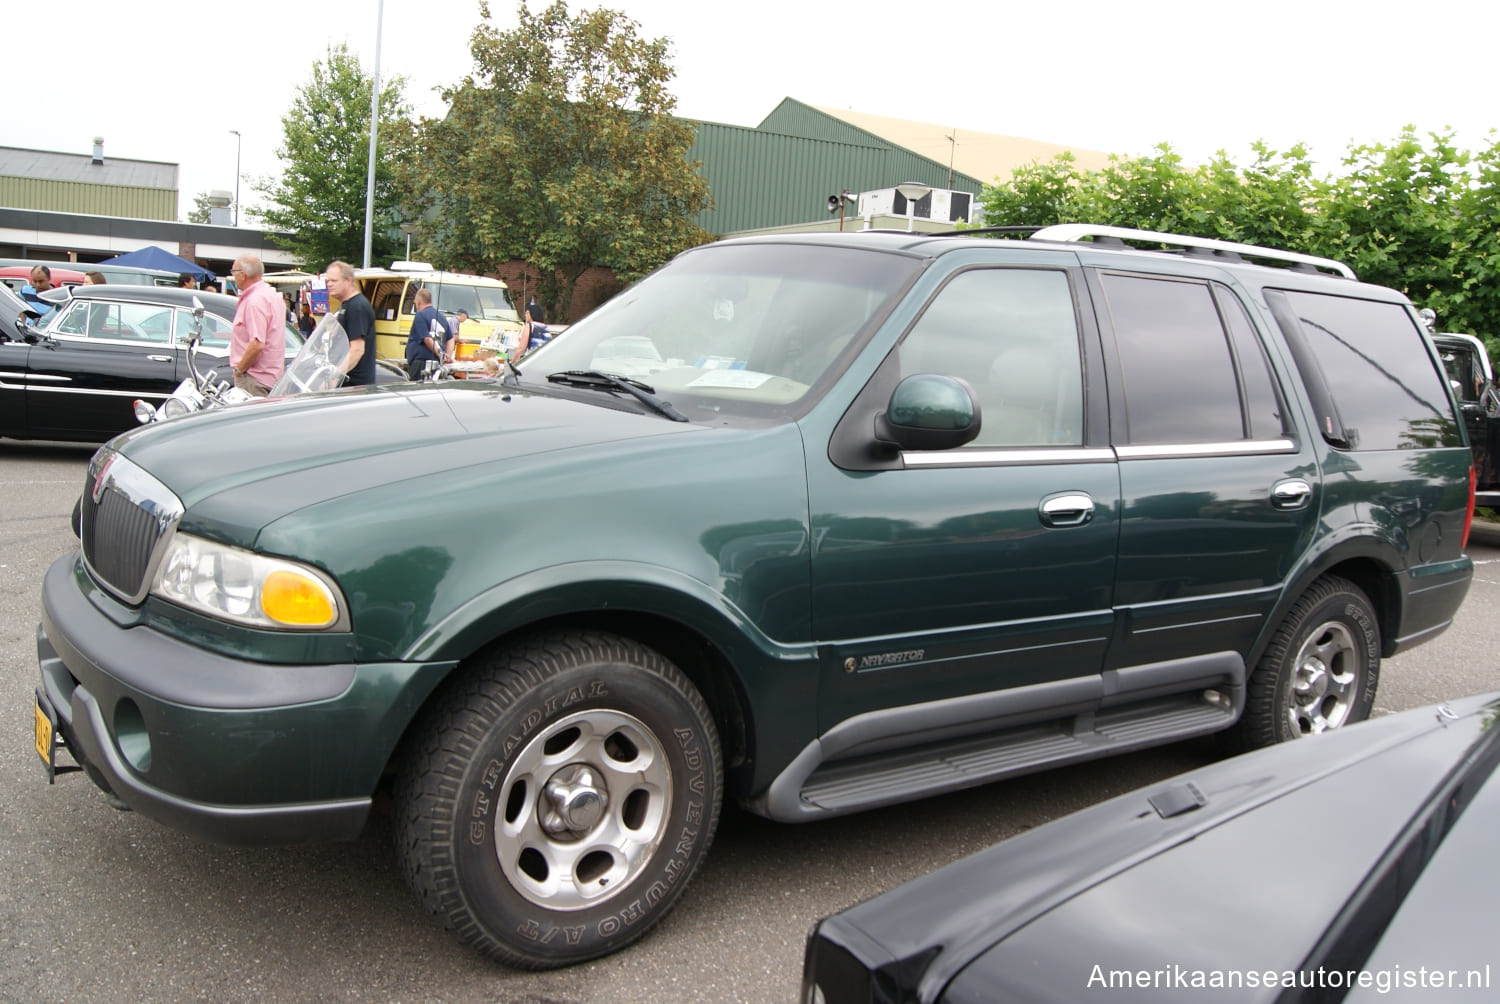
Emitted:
pixel 41 281
pixel 421 340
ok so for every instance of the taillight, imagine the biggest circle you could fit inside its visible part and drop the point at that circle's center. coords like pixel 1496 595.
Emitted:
pixel 1469 516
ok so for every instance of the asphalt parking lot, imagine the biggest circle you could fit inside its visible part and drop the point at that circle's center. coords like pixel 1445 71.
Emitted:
pixel 101 905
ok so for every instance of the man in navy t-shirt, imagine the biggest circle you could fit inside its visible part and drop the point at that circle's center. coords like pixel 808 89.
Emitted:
pixel 422 345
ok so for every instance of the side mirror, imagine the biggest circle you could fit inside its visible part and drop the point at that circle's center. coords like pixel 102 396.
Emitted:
pixel 929 412
pixel 1490 401
pixel 25 325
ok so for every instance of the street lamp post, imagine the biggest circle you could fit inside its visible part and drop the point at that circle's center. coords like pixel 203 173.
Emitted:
pixel 374 131
pixel 236 134
pixel 408 229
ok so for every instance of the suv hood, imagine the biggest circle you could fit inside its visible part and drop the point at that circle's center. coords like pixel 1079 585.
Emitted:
pixel 317 447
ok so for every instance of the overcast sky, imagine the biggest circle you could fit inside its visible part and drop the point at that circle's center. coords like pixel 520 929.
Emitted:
pixel 1116 76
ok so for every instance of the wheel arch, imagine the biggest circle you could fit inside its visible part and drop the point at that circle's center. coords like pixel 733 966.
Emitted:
pixel 717 646
pixel 1363 563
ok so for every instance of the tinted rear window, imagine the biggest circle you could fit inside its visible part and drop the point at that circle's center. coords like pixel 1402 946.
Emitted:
pixel 1388 392
pixel 1176 366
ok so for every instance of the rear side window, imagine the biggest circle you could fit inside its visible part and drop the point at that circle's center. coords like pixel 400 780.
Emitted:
pixel 130 322
pixel 386 298
pixel 1191 372
pixel 1374 361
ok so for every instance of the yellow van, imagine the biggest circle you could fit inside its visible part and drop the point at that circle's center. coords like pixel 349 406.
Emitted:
pixel 393 292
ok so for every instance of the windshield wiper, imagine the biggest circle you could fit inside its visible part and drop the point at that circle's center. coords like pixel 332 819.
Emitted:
pixel 642 392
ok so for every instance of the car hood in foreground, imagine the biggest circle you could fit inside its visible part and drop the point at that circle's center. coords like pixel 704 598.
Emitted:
pixel 1288 844
pixel 324 446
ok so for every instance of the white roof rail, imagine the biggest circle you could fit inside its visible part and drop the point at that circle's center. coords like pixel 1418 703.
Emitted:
pixel 1078 231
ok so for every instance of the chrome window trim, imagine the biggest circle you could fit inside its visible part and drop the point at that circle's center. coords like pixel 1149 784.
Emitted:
pixel 1237 448
pixel 133 394
pixel 1013 457
pixel 1082 455
pixel 132 343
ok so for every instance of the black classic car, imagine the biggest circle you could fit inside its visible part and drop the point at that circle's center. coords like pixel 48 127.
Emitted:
pixel 104 348
pixel 1468 367
pixel 1357 866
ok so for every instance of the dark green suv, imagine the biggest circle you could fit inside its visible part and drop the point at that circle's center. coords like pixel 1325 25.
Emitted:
pixel 818 523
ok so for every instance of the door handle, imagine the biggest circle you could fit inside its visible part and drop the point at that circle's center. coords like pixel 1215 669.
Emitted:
pixel 1293 493
pixel 160 359
pixel 1070 509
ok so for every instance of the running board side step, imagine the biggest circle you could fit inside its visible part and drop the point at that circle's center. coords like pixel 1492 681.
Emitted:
pixel 826 780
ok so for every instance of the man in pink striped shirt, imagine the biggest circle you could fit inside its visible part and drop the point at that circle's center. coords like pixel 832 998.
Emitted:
pixel 257 343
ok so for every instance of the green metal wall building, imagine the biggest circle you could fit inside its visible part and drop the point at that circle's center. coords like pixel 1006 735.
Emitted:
pixel 783 171
pixel 87 184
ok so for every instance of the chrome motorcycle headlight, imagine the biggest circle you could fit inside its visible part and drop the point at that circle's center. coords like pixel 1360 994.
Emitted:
pixel 248 588
pixel 143 411
pixel 173 407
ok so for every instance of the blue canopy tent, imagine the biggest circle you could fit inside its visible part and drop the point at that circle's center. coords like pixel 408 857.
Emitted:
pixel 152 256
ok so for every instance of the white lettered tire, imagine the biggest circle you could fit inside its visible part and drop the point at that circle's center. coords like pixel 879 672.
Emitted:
pixel 558 798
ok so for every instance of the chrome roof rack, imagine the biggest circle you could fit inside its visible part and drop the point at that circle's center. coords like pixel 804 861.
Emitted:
pixel 1078 231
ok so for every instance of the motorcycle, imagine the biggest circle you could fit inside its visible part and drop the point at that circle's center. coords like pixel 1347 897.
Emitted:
pixel 318 365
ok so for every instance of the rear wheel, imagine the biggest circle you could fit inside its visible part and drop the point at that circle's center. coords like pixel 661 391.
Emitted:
pixel 560 800
pixel 1320 671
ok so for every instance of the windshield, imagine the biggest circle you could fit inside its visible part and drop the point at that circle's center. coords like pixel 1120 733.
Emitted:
pixel 483 303
pixel 735 328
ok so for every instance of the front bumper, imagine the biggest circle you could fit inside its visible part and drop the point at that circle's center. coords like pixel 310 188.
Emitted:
pixel 225 749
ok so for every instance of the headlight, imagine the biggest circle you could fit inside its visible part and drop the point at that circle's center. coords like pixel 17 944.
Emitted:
pixel 173 407
pixel 247 588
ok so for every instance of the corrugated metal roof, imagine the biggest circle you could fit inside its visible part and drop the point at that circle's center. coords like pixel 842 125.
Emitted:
pixel 79 167
pixel 767 177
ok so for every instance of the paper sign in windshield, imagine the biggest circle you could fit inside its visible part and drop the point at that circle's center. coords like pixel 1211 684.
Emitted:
pixel 738 379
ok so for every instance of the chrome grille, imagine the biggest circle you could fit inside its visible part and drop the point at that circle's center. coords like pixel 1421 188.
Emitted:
pixel 124 517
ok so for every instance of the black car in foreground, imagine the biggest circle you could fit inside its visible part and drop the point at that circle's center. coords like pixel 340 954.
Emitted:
pixel 1355 865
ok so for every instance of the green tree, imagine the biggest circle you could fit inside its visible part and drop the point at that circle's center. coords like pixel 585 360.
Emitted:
pixel 1393 216
pixel 1419 215
pixel 1472 303
pixel 319 198
pixel 561 151
pixel 1262 204
pixel 201 209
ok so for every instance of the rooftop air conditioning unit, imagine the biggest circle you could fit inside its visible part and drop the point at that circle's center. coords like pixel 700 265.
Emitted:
pixel 938 204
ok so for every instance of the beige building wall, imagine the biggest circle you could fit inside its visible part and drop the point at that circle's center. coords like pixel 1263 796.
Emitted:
pixel 987 156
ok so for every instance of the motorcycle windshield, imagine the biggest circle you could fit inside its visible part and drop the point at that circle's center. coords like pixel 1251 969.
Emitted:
pixel 320 362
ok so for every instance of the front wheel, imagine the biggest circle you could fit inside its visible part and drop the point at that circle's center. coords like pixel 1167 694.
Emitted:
pixel 1319 672
pixel 559 799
